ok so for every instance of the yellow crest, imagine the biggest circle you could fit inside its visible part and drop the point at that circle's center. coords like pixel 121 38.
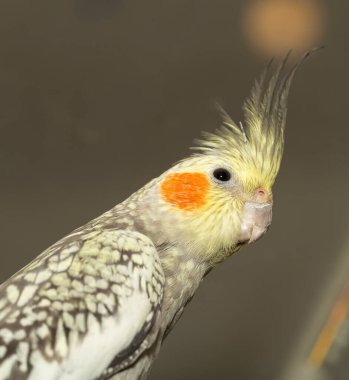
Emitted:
pixel 255 149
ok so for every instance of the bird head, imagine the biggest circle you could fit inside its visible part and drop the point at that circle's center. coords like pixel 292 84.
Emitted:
pixel 221 196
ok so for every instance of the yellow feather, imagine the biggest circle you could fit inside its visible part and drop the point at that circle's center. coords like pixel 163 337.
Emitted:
pixel 255 149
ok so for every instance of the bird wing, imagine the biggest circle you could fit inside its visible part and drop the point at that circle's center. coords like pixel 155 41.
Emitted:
pixel 89 299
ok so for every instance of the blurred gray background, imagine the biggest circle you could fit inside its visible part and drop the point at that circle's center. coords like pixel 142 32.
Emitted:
pixel 99 96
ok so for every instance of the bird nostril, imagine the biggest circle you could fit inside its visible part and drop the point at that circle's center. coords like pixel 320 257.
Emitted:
pixel 261 195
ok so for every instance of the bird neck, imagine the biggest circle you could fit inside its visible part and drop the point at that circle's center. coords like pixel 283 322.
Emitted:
pixel 183 274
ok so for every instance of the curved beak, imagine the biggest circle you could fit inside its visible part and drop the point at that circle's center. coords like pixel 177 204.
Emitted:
pixel 256 218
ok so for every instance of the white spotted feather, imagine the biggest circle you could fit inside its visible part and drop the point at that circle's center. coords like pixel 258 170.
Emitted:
pixel 68 322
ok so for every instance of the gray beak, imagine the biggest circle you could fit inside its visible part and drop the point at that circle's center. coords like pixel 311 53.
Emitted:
pixel 256 219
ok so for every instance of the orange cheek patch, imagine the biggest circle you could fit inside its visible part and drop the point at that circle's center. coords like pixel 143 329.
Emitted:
pixel 186 191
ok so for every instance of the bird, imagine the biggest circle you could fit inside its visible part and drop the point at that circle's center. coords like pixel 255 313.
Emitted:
pixel 99 303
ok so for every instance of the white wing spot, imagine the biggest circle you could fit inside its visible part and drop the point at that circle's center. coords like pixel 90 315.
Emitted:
pixel 6 335
pixel 57 305
pixel 78 285
pixel 92 324
pixel 137 259
pixel 80 322
pixel 91 305
pixel 3 351
pixel 68 251
pixel 26 321
pixel 90 281
pixel 101 309
pixel 41 316
pixel 42 276
pixel 150 316
pixel 61 347
pixel 22 355
pixel 102 284
pixel 44 302
pixel 68 320
pixel 26 295
pixel 122 269
pixel 117 289
pixel 73 338
pixel 61 266
pixel 3 302
pixel 116 255
pixel 6 366
pixel 51 293
pixel 131 245
pixel 19 334
pixel 30 277
pixel 42 331
pixel 12 293
pixel 67 306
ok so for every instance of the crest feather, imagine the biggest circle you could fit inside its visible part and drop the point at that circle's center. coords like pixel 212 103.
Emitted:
pixel 258 148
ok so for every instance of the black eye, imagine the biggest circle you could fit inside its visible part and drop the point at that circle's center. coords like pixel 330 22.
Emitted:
pixel 222 174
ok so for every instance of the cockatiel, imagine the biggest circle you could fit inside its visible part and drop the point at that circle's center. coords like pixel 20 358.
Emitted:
pixel 98 303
